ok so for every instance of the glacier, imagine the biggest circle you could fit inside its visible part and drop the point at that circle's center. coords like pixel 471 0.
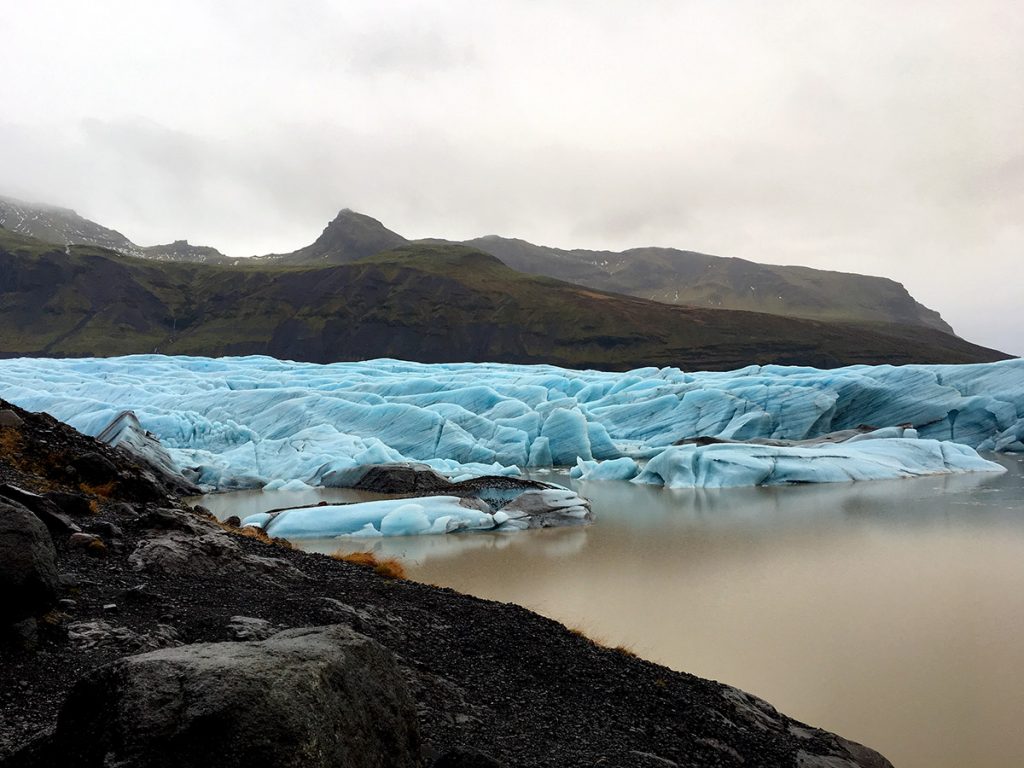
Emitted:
pixel 245 422
pixel 731 465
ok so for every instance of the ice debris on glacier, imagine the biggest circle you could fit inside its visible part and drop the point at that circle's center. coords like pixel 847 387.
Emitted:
pixel 247 421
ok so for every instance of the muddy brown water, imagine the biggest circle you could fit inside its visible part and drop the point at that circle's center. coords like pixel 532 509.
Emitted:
pixel 890 612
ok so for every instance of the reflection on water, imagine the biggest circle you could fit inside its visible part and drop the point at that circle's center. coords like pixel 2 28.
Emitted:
pixel 891 612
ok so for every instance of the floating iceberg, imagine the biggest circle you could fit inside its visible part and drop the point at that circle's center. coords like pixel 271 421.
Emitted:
pixel 245 422
pixel 623 468
pixel 390 517
pixel 531 508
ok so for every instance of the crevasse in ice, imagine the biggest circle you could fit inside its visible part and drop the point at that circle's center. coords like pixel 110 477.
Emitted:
pixel 248 421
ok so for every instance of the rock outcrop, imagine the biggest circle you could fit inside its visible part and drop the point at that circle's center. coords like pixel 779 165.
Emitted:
pixel 28 570
pixel 209 555
pixel 305 697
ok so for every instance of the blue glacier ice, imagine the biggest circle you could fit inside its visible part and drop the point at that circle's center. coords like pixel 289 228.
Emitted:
pixel 729 465
pixel 248 421
pixel 622 468
pixel 426 514
pixel 390 517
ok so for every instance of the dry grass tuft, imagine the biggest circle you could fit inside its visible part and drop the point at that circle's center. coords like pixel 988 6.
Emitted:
pixel 583 635
pixel 388 567
pixel 104 490
pixel 249 532
pixel 357 558
pixel 10 441
pixel 253 532
pixel 599 642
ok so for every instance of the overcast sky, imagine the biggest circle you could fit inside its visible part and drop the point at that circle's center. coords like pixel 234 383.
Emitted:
pixel 877 137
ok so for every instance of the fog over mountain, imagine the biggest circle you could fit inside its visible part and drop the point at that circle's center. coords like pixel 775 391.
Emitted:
pixel 867 137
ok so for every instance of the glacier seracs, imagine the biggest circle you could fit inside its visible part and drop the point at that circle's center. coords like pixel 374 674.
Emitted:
pixel 248 421
pixel 730 465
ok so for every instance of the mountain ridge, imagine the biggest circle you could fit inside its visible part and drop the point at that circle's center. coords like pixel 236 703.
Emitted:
pixel 676 276
pixel 668 275
pixel 430 303
pixel 63 226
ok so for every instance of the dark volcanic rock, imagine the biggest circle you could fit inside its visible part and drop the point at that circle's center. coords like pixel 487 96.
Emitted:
pixel 87 635
pixel 465 757
pixel 28 564
pixel 92 466
pixel 400 477
pixel 87 542
pixel 70 503
pixel 73 470
pixel 414 478
pixel 44 508
pixel 250 628
pixel 305 697
pixel 204 556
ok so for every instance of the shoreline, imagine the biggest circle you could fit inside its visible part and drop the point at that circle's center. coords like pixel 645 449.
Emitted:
pixel 490 680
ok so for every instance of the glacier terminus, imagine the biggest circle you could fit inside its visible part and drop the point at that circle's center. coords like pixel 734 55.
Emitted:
pixel 250 422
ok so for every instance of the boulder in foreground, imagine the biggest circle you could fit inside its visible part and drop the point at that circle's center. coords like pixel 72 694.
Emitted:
pixel 28 568
pixel 323 696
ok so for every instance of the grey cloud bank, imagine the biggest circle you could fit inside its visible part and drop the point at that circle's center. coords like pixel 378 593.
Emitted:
pixel 872 137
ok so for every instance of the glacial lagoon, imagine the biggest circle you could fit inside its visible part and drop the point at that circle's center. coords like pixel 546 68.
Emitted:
pixel 891 611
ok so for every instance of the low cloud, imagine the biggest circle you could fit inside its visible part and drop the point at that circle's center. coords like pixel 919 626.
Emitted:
pixel 862 138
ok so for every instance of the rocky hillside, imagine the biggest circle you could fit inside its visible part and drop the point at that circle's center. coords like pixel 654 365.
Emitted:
pixel 62 226
pixel 697 279
pixel 348 237
pixel 137 631
pixel 666 275
pixel 430 303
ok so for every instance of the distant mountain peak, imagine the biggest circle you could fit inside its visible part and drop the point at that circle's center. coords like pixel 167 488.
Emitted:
pixel 62 226
pixel 348 216
pixel 347 237
pixel 55 224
